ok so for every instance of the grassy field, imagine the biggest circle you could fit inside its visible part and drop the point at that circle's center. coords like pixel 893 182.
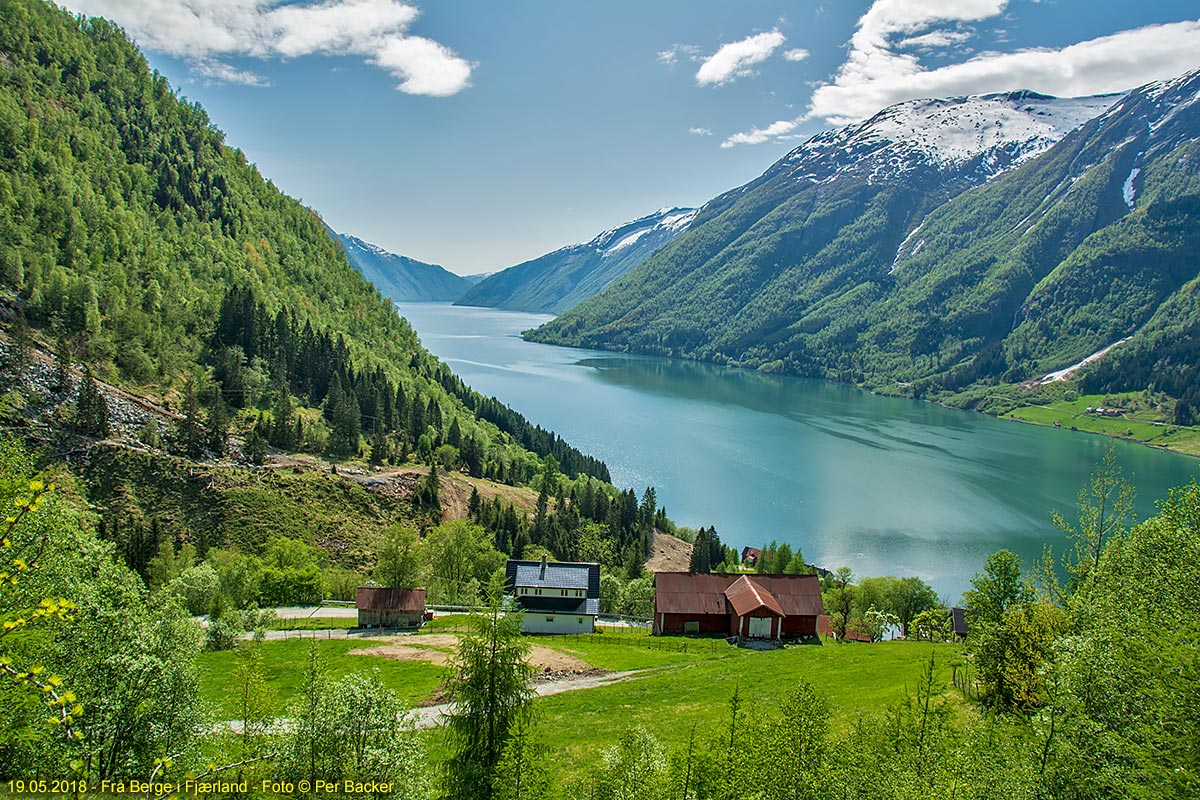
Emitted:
pixel 283 665
pixel 1142 425
pixel 686 683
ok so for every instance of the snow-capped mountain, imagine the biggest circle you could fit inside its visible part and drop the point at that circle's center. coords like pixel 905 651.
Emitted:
pixel 566 277
pixel 401 278
pixel 977 137
pixel 943 247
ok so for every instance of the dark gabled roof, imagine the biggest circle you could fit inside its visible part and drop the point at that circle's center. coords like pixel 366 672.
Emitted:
pixel 376 598
pixel 554 575
pixel 698 593
pixel 558 605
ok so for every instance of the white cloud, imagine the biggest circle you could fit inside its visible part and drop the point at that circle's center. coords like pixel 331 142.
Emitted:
pixel 220 72
pixel 796 54
pixel 203 31
pixel 700 131
pixel 1112 63
pixel 672 54
pixel 734 59
pixel 935 39
pixel 875 75
pixel 760 135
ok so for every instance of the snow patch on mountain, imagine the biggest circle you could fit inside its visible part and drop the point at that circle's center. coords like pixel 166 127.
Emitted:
pixel 1128 192
pixel 667 222
pixel 999 131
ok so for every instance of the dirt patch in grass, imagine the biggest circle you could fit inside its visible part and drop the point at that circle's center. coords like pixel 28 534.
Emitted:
pixel 438 649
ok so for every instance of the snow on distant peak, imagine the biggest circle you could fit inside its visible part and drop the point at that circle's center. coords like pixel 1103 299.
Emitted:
pixel 1003 129
pixel 665 222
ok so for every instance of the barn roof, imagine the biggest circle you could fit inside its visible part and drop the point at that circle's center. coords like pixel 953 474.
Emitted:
pixel 745 595
pixel 698 593
pixel 376 598
pixel 554 575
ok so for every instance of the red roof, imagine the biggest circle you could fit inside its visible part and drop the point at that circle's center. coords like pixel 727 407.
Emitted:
pixel 745 595
pixel 696 593
pixel 376 598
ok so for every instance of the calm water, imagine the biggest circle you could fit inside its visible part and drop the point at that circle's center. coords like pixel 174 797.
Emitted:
pixel 884 485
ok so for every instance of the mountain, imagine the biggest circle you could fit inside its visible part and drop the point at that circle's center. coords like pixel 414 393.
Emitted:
pixel 939 247
pixel 559 281
pixel 213 311
pixel 401 278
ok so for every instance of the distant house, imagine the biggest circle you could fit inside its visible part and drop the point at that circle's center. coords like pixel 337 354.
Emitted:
pixel 751 555
pixel 389 608
pixel 557 597
pixel 958 622
pixel 749 606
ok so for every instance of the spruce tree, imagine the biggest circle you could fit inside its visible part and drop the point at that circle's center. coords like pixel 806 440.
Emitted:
pixel 91 415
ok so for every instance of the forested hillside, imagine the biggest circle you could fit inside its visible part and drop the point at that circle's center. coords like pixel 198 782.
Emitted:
pixel 885 255
pixel 172 322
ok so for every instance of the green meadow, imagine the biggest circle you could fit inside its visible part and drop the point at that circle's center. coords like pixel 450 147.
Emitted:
pixel 683 683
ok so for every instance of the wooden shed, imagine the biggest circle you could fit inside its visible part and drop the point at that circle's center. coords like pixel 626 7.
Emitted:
pixel 380 607
pixel 749 606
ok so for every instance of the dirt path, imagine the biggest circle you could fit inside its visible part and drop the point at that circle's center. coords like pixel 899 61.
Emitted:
pixel 433 716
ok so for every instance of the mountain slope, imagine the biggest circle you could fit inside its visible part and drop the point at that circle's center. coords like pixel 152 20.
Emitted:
pixel 401 278
pixel 928 250
pixel 158 257
pixel 559 281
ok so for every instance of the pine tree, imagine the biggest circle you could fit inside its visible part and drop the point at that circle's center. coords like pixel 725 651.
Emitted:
pixel 91 416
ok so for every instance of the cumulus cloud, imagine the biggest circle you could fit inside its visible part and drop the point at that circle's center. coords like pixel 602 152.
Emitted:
pixel 734 59
pixel 796 54
pixel 880 69
pixel 760 135
pixel 700 131
pixel 205 31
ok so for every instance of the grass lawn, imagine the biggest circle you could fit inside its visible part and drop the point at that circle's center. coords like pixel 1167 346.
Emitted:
pixel 1143 426
pixel 283 665
pixel 688 682
pixel 856 680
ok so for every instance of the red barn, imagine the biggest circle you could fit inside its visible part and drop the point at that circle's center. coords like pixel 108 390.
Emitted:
pixel 751 606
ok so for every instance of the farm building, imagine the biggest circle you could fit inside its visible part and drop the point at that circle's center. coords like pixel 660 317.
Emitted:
pixel 389 608
pixel 750 606
pixel 557 597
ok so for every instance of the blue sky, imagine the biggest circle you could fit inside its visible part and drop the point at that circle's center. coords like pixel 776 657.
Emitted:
pixel 477 134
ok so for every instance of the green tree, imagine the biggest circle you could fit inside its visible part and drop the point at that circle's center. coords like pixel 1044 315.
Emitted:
pixel 458 559
pixel 489 685
pixel 91 409
pixel 1105 514
pixel 397 564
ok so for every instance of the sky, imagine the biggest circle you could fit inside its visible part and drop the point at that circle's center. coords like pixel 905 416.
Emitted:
pixel 477 134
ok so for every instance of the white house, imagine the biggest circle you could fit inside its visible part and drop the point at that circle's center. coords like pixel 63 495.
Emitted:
pixel 556 596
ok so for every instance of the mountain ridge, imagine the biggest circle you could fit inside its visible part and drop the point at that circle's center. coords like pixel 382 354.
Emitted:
pixel 400 278
pixel 563 278
pixel 899 270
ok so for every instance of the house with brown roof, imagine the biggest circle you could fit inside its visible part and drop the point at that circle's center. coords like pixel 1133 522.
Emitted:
pixel 379 607
pixel 748 606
